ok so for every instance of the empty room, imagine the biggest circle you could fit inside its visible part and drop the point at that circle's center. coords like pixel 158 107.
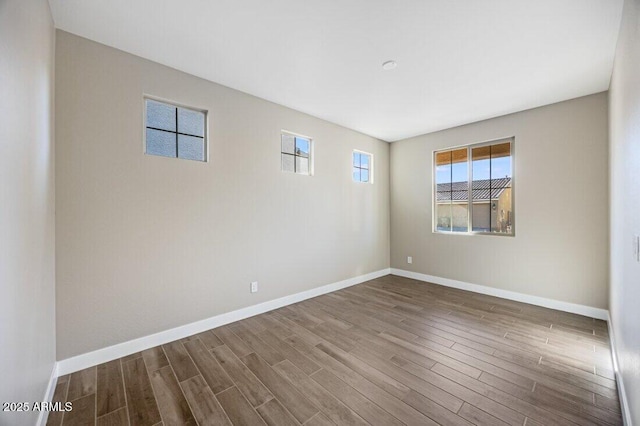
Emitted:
pixel 320 212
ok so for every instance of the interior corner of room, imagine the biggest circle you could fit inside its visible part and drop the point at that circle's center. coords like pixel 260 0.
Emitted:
pixel 155 185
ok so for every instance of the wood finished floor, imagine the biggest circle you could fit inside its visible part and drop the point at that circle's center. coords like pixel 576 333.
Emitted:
pixel 386 352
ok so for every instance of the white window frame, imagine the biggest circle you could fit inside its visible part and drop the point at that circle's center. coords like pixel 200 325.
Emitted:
pixel 146 97
pixel 371 166
pixel 311 152
pixel 469 147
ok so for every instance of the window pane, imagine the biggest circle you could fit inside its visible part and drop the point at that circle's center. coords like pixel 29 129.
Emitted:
pixel 302 147
pixel 190 148
pixel 460 217
pixel 364 161
pixel 161 116
pixel 443 170
pixel 287 163
pixel 501 161
pixel 481 171
pixel 288 144
pixel 502 202
pixel 356 159
pixel 480 167
pixel 444 220
pixel 481 217
pixel 356 174
pixel 364 175
pixel 161 143
pixel 459 165
pixel 302 165
pixel 502 217
pixel 191 122
pixel 443 173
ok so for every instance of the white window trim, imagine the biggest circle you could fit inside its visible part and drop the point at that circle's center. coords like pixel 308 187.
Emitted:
pixel 470 232
pixel 371 166
pixel 146 97
pixel 312 146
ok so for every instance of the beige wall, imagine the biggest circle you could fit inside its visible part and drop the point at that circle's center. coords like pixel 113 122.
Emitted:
pixel 27 316
pixel 624 166
pixel 560 159
pixel 148 243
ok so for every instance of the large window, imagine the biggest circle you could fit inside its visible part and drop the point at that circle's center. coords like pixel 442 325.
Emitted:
pixel 296 153
pixel 485 206
pixel 174 131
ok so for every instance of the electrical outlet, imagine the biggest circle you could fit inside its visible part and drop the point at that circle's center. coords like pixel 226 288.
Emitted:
pixel 409 259
pixel 254 286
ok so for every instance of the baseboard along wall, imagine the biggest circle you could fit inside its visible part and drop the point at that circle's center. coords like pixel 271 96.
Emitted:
pixel 48 395
pixel 573 308
pixel 624 402
pixel 80 362
pixel 103 355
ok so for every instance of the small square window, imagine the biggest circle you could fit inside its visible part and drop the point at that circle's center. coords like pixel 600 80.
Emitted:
pixel 175 131
pixel 362 167
pixel 296 153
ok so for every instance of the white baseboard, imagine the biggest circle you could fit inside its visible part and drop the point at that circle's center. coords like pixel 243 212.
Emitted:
pixel 48 395
pixel 624 404
pixel 588 311
pixel 100 356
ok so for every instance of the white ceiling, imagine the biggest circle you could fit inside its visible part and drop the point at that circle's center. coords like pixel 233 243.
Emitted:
pixel 459 61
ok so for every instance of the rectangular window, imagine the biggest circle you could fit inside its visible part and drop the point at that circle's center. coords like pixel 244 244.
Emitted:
pixel 175 131
pixel 295 153
pixel 485 206
pixel 362 167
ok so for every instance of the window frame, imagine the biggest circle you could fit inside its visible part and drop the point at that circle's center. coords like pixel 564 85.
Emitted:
pixel 371 166
pixel 311 157
pixel 434 194
pixel 145 98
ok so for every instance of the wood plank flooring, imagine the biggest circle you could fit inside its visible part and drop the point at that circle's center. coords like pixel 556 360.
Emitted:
pixel 390 351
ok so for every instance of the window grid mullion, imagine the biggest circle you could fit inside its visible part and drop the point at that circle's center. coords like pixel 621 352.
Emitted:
pixel 177 148
pixel 451 191
pixel 470 191
pixel 490 192
pixel 171 131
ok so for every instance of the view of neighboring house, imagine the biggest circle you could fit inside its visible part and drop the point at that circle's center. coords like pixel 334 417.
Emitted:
pixel 491 207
